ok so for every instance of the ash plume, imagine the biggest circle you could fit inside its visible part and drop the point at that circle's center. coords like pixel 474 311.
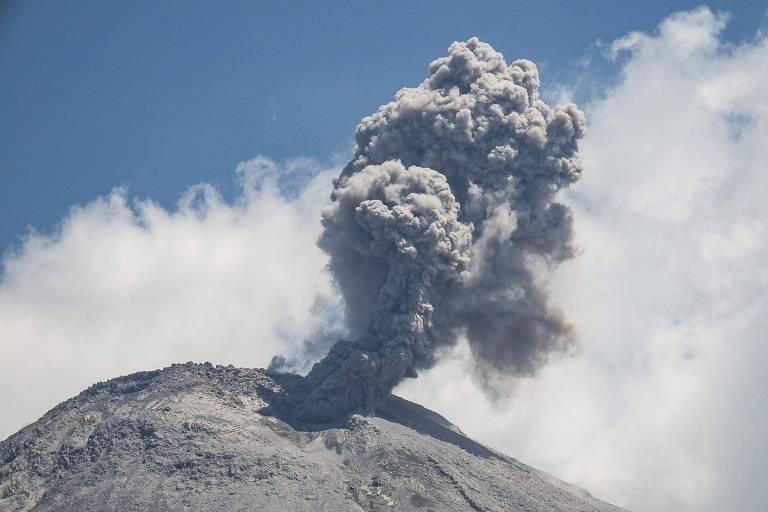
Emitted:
pixel 438 223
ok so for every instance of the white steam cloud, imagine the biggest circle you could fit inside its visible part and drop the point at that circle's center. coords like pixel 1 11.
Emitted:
pixel 666 407
pixel 127 285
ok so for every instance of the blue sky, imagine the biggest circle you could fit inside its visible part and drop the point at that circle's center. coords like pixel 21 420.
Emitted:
pixel 157 96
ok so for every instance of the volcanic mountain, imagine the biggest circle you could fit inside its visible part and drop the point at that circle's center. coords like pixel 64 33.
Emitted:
pixel 202 437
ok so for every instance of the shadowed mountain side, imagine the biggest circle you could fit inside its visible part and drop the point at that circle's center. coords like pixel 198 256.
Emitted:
pixel 196 437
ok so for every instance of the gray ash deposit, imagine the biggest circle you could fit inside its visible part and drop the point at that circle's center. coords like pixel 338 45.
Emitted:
pixel 204 438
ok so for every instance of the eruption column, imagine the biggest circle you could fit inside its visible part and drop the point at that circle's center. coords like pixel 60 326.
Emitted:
pixel 437 224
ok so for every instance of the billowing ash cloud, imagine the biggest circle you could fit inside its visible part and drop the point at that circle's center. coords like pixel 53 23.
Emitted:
pixel 437 225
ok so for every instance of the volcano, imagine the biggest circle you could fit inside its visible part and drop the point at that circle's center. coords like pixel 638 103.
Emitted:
pixel 210 438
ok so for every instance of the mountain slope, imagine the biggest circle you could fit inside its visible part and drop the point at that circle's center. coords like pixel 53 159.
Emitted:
pixel 198 437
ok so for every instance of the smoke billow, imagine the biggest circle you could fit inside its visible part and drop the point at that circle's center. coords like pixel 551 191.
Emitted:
pixel 437 226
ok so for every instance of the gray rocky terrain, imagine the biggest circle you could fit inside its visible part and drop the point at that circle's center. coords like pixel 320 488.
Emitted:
pixel 199 437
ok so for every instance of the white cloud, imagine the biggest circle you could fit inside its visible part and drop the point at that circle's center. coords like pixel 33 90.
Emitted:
pixel 665 408
pixel 127 285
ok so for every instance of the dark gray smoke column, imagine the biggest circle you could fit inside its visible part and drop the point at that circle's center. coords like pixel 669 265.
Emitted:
pixel 438 223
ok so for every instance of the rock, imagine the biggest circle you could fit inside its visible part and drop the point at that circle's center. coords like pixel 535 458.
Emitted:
pixel 204 438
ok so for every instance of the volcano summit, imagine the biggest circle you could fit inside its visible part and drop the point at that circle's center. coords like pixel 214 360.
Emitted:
pixel 204 438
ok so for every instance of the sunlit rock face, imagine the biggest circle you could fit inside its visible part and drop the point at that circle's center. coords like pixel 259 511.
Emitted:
pixel 205 438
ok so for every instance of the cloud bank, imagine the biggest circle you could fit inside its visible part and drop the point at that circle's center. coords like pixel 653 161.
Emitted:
pixel 665 408
pixel 126 285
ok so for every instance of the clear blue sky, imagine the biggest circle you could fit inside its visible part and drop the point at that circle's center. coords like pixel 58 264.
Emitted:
pixel 157 96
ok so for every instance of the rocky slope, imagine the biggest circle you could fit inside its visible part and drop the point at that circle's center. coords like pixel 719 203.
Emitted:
pixel 199 437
